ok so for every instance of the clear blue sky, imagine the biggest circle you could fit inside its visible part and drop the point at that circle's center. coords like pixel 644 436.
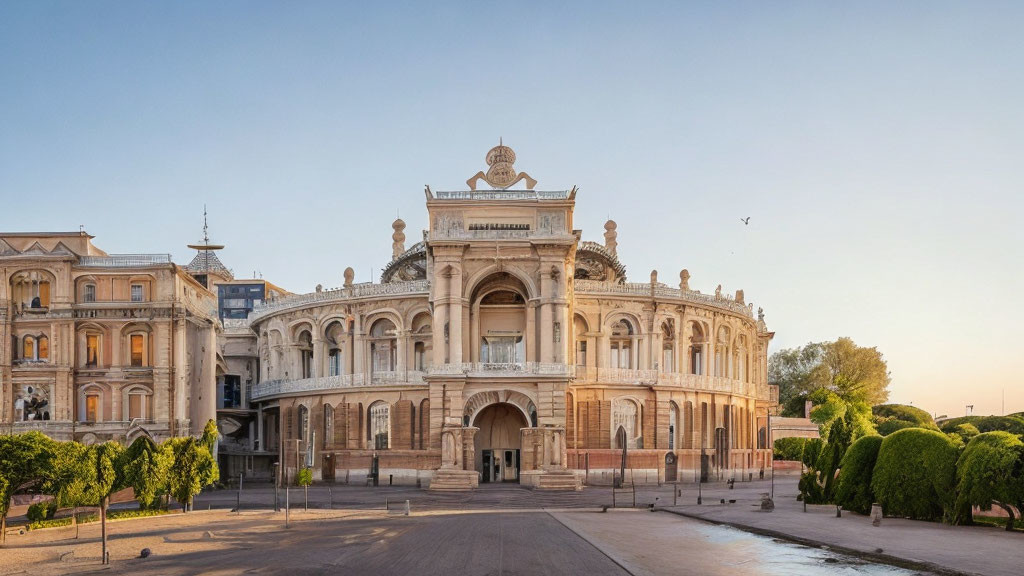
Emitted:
pixel 877 148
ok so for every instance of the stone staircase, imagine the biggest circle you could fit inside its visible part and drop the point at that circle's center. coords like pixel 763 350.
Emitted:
pixel 454 480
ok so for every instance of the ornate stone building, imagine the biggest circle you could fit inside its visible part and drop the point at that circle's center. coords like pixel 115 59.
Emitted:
pixel 504 347
pixel 501 347
pixel 102 346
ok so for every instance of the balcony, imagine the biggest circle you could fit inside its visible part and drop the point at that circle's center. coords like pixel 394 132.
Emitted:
pixel 366 290
pixel 503 195
pixel 660 290
pixel 697 382
pixel 504 369
pixel 272 388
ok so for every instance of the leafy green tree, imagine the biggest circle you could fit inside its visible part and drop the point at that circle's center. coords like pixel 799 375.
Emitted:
pixel 990 472
pixel 790 448
pixel 69 478
pixel 791 369
pixel 856 374
pixel 853 490
pixel 192 469
pixel 105 477
pixel 965 432
pixel 915 474
pixel 24 461
pixel 146 466
pixel 209 439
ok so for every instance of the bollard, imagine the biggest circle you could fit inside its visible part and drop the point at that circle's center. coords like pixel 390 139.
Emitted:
pixel 406 507
pixel 287 506
pixel 876 514
pixel 839 511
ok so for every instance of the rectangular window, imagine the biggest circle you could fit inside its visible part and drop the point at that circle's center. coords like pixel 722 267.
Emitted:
pixel 234 303
pixel 136 404
pixel 136 292
pixel 92 408
pixel 92 349
pixel 90 293
pixel 44 294
pixel 138 349
pixel 43 346
pixel 581 353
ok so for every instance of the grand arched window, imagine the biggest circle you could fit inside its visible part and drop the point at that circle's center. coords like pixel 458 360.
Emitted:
pixel 621 343
pixel 30 290
pixel 579 327
pixel 380 425
pixel 384 346
pixel 673 425
pixel 668 346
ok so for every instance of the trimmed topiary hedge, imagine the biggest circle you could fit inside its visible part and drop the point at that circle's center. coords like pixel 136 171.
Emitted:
pixel 789 448
pixel 915 474
pixel 854 489
pixel 990 471
pixel 41 511
pixel 1012 424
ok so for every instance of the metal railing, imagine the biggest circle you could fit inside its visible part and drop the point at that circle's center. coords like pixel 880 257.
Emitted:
pixel 124 260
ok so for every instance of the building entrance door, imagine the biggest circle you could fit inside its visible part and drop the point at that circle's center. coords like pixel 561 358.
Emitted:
pixel 499 466
pixel 498 442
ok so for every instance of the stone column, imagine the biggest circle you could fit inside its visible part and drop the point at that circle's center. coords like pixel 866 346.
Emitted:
pixel 455 311
pixel 469 448
pixel 531 332
pixel 319 364
pixel 358 346
pixel 546 317
pixel 474 332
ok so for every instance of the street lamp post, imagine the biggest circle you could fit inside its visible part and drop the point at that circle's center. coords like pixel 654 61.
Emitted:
pixel 771 446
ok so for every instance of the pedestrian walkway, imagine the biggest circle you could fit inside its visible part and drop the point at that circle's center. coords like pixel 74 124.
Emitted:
pixel 961 549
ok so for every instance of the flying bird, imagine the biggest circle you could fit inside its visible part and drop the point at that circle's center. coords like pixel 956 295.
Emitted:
pixel 746 221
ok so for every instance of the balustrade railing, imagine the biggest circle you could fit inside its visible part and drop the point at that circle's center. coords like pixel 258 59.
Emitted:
pixel 502 195
pixel 364 290
pixel 269 388
pixel 124 260
pixel 661 290
pixel 498 369
pixel 652 377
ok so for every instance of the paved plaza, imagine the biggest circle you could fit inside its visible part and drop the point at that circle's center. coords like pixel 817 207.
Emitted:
pixel 509 530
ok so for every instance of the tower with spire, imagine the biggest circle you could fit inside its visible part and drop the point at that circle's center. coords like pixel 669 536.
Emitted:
pixel 206 267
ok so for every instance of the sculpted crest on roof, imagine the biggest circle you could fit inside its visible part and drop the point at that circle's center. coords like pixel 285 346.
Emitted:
pixel 501 173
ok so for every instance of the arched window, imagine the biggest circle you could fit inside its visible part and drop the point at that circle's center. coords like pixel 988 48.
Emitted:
pixel 579 327
pixel 673 425
pixel 697 343
pixel 328 425
pixel 625 415
pixel 303 422
pixel 28 349
pixel 621 355
pixel 722 355
pixel 384 346
pixel 668 346
pixel 380 425
pixel 305 354
pixel 334 335
pixel 91 403
pixel 43 348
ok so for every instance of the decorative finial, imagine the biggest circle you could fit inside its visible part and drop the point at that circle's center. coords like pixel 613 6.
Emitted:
pixel 739 297
pixel 398 239
pixel 654 276
pixel 350 274
pixel 501 173
pixel 684 280
pixel 610 236
pixel 718 292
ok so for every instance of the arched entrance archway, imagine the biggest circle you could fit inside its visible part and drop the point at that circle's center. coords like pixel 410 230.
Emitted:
pixel 498 442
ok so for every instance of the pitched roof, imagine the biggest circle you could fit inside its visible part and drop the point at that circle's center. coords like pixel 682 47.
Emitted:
pixel 207 261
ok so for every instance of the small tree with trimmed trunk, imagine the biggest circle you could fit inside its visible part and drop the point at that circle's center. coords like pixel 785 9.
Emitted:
pixel 24 461
pixel 990 472
pixel 145 469
pixel 192 469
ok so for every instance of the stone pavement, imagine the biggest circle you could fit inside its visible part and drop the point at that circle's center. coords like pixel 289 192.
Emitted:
pixel 960 549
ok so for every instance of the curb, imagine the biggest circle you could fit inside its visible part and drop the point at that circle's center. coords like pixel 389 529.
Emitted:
pixel 875 556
